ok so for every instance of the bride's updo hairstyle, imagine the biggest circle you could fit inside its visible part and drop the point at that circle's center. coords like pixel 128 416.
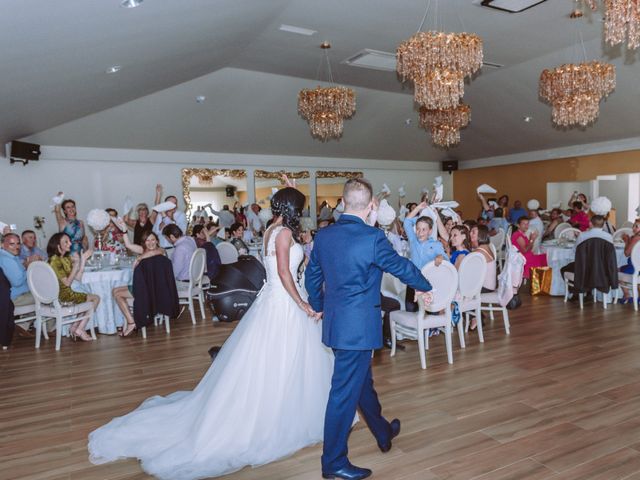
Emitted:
pixel 288 204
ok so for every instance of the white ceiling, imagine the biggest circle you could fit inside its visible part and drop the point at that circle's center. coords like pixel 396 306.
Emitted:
pixel 54 89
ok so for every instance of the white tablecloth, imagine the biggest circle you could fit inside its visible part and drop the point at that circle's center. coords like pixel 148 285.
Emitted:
pixel 101 282
pixel 558 257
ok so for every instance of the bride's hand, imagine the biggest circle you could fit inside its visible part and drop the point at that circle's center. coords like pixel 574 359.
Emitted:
pixel 307 308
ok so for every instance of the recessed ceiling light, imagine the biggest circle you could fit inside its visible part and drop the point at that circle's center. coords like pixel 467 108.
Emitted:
pixel 299 30
pixel 527 119
pixel 407 122
pixel 130 3
pixel 200 98
pixel 114 69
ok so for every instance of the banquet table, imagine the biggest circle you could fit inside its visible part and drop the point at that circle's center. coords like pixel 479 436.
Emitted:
pixel 559 256
pixel 100 282
pixel 255 249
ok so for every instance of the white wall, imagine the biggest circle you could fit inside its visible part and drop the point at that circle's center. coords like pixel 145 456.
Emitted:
pixel 100 178
pixel 618 192
pixel 561 192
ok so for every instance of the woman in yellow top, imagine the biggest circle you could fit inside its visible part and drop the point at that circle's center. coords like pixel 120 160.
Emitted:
pixel 69 268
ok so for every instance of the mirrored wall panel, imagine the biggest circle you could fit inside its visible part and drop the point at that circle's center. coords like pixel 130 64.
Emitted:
pixel 329 185
pixel 267 181
pixel 215 189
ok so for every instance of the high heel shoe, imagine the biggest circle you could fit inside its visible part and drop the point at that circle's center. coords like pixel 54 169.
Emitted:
pixel 128 330
pixel 84 336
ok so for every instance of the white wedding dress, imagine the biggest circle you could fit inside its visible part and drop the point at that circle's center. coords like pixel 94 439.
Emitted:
pixel 262 399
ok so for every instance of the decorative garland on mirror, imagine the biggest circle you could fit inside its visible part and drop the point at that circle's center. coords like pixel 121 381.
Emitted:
pixel 337 174
pixel 204 175
pixel 278 175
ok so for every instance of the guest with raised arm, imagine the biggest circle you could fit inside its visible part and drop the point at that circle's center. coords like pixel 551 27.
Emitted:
pixel 68 268
pixel 67 218
pixel 169 217
pixel 141 224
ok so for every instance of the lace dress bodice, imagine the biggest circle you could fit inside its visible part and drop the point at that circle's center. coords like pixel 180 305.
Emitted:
pixel 296 254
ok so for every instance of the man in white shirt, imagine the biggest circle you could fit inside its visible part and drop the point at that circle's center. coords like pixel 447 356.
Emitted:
pixel 173 216
pixel 225 217
pixel 255 224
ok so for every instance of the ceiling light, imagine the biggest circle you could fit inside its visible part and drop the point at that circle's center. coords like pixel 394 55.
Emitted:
pixel 200 98
pixel 299 30
pixel 114 69
pixel 527 119
pixel 511 6
pixel 130 3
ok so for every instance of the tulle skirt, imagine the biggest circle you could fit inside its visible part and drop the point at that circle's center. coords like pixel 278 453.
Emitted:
pixel 263 398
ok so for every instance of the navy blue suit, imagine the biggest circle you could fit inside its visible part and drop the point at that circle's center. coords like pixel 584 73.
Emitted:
pixel 343 281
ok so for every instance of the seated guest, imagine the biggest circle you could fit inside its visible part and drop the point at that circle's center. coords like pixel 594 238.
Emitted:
pixel 69 268
pixel 67 217
pixel 630 241
pixel 516 212
pixel 498 222
pixel 524 244
pixel 15 272
pixel 237 232
pixel 484 247
pixel 150 248
pixel 170 217
pixel 202 236
pixel 7 324
pixel 472 226
pixel 140 225
pixel 459 244
pixel 503 203
pixel 608 227
pixel 579 197
pixel 29 251
pixel 184 248
pixel 579 218
pixel 555 220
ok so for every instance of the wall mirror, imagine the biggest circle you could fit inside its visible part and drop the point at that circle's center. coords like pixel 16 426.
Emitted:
pixel 266 181
pixel 217 187
pixel 329 185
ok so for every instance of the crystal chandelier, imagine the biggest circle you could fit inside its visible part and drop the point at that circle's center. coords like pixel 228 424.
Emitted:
pixel 575 90
pixel 325 108
pixel 622 20
pixel 445 124
pixel 437 63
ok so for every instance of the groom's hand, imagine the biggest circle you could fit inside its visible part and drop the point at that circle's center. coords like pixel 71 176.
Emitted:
pixel 426 296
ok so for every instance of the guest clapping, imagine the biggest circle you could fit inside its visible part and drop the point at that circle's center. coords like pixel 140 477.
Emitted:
pixel 69 268
pixel 29 251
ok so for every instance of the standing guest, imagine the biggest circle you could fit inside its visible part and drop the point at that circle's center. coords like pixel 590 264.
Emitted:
pixel 15 272
pixel 579 218
pixel 253 220
pixel 67 218
pixel 69 268
pixel 140 225
pixel 555 220
pixel 579 197
pixel 459 244
pixel 524 245
pixel 503 203
pixel 397 237
pixel 238 211
pixel 170 217
pixel 516 212
pixel 184 248
pixel 29 251
pixel 226 218
pixel 150 248
pixel 608 227
pixel 630 241
pixel 237 232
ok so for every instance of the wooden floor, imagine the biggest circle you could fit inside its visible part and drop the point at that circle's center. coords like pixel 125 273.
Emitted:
pixel 557 399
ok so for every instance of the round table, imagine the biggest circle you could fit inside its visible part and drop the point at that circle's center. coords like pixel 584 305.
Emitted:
pixel 559 256
pixel 101 282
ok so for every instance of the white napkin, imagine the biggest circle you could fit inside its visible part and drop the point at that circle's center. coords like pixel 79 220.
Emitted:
pixel 385 189
pixel 221 233
pixel 484 188
pixel 401 191
pixel 445 205
pixel 164 207
pixel 57 200
pixel 117 221
pixel 439 192
pixel 449 213
pixel 493 204
pixel 558 204
pixel 437 181
pixel 3 226
pixel 425 189
pixel 128 205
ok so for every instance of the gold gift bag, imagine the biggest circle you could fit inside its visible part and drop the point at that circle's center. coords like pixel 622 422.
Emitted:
pixel 541 281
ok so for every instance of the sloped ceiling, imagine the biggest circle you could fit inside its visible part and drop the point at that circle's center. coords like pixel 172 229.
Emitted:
pixel 54 89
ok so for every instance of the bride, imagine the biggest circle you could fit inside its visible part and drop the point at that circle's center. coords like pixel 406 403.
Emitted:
pixel 262 399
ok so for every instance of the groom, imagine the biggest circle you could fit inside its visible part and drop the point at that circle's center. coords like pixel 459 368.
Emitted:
pixel 343 281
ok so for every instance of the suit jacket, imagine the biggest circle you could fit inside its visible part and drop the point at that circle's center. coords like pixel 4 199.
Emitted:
pixel 343 281
pixel 213 260
pixel 596 266
pixel 154 290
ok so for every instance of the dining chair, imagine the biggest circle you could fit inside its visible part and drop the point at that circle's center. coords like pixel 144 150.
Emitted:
pixel 228 253
pixel 471 275
pixel 560 228
pixel 187 292
pixel 617 235
pixel 416 325
pixel 44 286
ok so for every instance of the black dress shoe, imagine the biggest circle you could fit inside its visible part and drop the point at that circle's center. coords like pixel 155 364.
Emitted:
pixel 350 472
pixel 395 430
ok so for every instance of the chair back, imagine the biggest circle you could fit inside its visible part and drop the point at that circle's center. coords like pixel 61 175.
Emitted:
pixel 228 253
pixel 560 228
pixel 393 287
pixel 444 280
pixel 471 274
pixel 196 266
pixel 43 283
pixel 498 239
pixel 617 235
pixel 569 234
pixel 635 258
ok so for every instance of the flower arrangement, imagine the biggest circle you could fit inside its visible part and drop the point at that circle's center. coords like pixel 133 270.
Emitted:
pixel 98 219
pixel 386 213
pixel 601 206
pixel 38 222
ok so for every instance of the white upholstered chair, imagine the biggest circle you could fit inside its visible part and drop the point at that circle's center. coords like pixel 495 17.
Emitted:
pixel 471 274
pixel 568 233
pixel 43 283
pixel 561 228
pixel 393 288
pixel 228 253
pixel 617 235
pixel 416 325
pixel 188 291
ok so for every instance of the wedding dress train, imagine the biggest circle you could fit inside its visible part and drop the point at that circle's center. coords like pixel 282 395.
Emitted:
pixel 262 399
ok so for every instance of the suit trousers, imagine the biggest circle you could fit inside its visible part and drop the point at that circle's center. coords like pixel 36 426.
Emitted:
pixel 351 388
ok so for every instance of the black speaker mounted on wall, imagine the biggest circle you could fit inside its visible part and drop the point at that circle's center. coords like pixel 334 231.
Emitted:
pixel 22 152
pixel 450 165
pixel 230 190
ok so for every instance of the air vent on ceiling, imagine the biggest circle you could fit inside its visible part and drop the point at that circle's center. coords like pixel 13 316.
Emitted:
pixel 377 60
pixel 511 6
pixel 299 30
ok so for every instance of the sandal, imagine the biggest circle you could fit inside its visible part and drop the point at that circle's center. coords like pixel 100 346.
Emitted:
pixel 128 329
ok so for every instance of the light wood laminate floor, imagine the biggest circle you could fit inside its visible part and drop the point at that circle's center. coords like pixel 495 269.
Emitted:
pixel 557 399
